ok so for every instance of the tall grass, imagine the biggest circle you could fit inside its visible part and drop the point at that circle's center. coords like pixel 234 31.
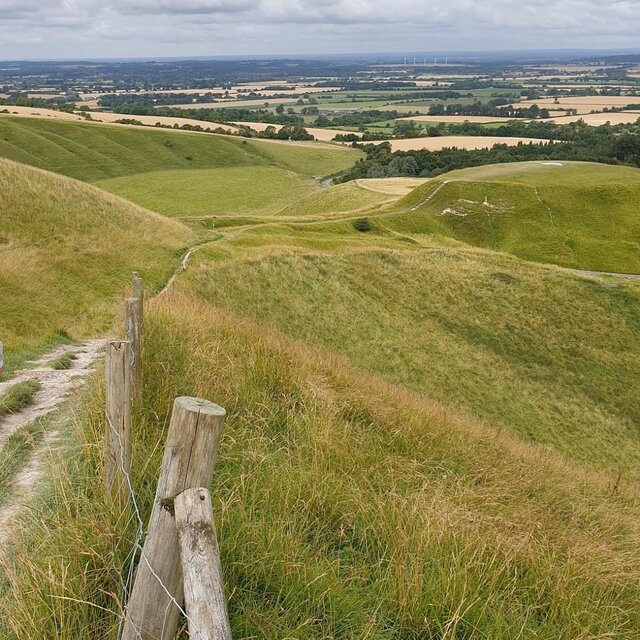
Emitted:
pixel 550 356
pixel 346 507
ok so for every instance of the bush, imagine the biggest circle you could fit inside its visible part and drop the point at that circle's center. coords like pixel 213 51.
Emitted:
pixel 363 225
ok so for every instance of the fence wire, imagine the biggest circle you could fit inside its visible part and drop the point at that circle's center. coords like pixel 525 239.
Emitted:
pixel 130 560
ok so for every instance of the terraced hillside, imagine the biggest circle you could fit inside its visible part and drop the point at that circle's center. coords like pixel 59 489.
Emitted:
pixel 185 175
pixel 574 214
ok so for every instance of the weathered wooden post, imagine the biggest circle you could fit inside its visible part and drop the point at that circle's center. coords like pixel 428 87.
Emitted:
pixel 133 322
pixel 203 589
pixel 138 287
pixel 189 458
pixel 117 457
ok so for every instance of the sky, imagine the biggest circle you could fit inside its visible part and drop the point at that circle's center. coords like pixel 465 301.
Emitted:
pixel 46 29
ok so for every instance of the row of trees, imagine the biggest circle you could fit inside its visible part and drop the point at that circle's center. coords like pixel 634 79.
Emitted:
pixel 491 110
pixel 607 144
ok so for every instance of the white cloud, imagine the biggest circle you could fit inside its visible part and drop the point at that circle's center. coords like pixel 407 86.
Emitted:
pixel 201 27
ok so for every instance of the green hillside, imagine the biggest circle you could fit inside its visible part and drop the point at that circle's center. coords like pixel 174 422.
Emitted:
pixel 182 174
pixel 66 252
pixel 345 507
pixel 574 214
pixel 427 438
pixel 92 152
pixel 552 357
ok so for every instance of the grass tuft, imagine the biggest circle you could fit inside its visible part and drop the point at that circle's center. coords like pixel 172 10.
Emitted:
pixel 18 396
pixel 64 362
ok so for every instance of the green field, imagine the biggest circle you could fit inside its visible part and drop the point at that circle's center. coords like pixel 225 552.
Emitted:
pixel 430 434
pixel 578 215
pixel 92 152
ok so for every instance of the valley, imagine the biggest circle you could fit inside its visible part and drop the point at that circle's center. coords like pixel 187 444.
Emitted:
pixel 429 367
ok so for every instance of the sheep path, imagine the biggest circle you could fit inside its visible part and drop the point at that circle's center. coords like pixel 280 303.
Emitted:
pixel 57 386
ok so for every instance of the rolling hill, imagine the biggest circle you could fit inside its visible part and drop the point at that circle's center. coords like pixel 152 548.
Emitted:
pixel 180 174
pixel 426 437
pixel 574 214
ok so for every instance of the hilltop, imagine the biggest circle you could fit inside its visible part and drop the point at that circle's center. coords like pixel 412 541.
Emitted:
pixel 574 214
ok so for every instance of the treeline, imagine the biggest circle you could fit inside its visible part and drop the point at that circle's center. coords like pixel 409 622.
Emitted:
pixel 350 84
pixel 359 118
pixel 287 132
pixel 117 102
pixel 610 145
pixel 490 110
pixel 220 116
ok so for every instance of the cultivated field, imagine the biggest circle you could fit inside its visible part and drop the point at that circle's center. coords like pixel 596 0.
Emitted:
pixel 457 119
pixel 460 142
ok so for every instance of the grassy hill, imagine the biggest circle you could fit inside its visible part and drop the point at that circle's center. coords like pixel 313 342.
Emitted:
pixel 426 438
pixel 180 174
pixel 92 152
pixel 550 356
pixel 67 250
pixel 573 214
pixel 345 507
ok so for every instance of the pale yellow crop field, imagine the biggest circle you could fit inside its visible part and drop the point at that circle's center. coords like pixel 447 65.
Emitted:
pixel 36 112
pixel 234 103
pixel 598 119
pixel 584 104
pixel 460 142
pixel 103 116
pixel 458 119
pixel 110 118
pixel 324 135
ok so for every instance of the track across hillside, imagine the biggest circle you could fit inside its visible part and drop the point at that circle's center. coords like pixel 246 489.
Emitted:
pixel 57 385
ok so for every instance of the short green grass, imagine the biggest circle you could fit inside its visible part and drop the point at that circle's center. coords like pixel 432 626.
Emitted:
pixel 15 452
pixel 578 215
pixel 255 190
pixel 18 396
pixel 64 362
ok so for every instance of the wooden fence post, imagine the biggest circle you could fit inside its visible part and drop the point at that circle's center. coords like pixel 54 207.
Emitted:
pixel 133 321
pixel 204 599
pixel 117 457
pixel 189 458
pixel 138 287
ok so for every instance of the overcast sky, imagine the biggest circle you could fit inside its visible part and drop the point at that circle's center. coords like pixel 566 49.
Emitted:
pixel 128 28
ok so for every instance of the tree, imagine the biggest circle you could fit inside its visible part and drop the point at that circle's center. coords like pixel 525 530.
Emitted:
pixel 280 109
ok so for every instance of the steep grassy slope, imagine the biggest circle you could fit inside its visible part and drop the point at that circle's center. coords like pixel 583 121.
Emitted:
pixel 553 357
pixel 346 508
pixel 92 152
pixel 181 174
pixel 576 214
pixel 66 249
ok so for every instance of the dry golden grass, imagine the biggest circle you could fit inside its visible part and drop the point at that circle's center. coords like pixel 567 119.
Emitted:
pixel 347 507
pixel 67 251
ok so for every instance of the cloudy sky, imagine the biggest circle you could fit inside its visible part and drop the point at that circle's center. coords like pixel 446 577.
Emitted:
pixel 127 28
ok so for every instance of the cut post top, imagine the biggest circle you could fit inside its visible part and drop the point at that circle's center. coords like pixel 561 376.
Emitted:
pixel 198 405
